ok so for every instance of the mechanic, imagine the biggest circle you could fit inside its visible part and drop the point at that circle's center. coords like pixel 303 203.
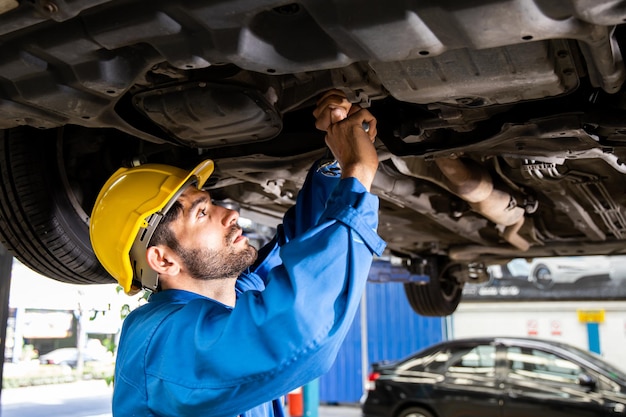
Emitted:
pixel 223 334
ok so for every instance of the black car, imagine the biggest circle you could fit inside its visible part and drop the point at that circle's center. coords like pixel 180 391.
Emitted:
pixel 501 123
pixel 496 377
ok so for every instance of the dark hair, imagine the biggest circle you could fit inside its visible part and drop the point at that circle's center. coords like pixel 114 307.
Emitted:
pixel 163 235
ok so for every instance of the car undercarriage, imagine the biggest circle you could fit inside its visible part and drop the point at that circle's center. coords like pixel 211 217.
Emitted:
pixel 501 124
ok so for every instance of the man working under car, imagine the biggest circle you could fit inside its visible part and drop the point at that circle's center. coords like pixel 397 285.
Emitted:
pixel 224 335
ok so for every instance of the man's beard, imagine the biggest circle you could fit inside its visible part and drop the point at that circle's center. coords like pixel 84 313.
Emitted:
pixel 206 264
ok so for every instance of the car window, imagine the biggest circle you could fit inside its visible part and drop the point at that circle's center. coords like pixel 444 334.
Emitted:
pixel 519 267
pixel 612 371
pixel 528 363
pixel 475 360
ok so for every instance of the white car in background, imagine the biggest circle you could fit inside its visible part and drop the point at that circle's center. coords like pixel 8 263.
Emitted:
pixel 618 267
pixel 546 272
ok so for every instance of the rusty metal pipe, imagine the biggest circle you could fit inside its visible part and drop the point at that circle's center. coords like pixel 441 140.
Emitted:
pixel 473 184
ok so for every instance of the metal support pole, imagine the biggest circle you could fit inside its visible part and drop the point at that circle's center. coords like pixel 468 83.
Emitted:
pixel 311 394
pixel 592 318
pixel 365 363
pixel 593 337
pixel 6 264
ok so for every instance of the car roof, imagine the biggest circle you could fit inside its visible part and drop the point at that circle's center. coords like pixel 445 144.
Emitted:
pixel 582 356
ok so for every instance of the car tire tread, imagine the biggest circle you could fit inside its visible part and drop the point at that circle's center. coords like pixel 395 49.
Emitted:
pixel 42 231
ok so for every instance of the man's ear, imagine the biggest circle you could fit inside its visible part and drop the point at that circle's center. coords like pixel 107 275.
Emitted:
pixel 161 259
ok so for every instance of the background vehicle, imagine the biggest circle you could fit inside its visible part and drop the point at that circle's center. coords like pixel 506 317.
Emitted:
pixel 546 272
pixel 618 268
pixel 69 357
pixel 489 377
pixel 502 124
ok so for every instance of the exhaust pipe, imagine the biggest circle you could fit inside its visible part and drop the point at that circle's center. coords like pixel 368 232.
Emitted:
pixel 474 185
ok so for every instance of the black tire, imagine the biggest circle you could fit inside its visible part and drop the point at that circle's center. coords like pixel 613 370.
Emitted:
pixel 542 277
pixel 439 297
pixel 415 412
pixel 41 222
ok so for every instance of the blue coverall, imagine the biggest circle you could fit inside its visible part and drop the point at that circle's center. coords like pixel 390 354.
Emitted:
pixel 183 354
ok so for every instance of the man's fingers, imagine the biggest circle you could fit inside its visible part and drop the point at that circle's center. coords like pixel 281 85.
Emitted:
pixel 355 108
pixel 333 92
pixel 367 121
pixel 350 133
pixel 337 114
pixel 332 107
pixel 372 132
pixel 332 102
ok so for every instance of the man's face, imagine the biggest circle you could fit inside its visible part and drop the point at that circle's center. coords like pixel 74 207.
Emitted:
pixel 211 243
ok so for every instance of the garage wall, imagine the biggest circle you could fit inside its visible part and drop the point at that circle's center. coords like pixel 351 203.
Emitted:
pixel 556 320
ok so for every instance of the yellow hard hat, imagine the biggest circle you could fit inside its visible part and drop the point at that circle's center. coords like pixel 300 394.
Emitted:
pixel 128 209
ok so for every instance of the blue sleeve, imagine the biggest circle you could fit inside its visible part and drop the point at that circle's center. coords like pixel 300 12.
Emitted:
pixel 310 203
pixel 273 340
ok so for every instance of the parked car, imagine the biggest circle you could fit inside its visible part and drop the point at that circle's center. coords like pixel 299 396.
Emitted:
pixel 513 270
pixel 501 124
pixel 546 272
pixel 69 357
pixel 618 268
pixel 495 377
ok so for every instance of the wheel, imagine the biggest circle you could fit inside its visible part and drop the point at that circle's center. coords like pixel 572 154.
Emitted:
pixel 415 412
pixel 440 297
pixel 42 221
pixel 542 277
